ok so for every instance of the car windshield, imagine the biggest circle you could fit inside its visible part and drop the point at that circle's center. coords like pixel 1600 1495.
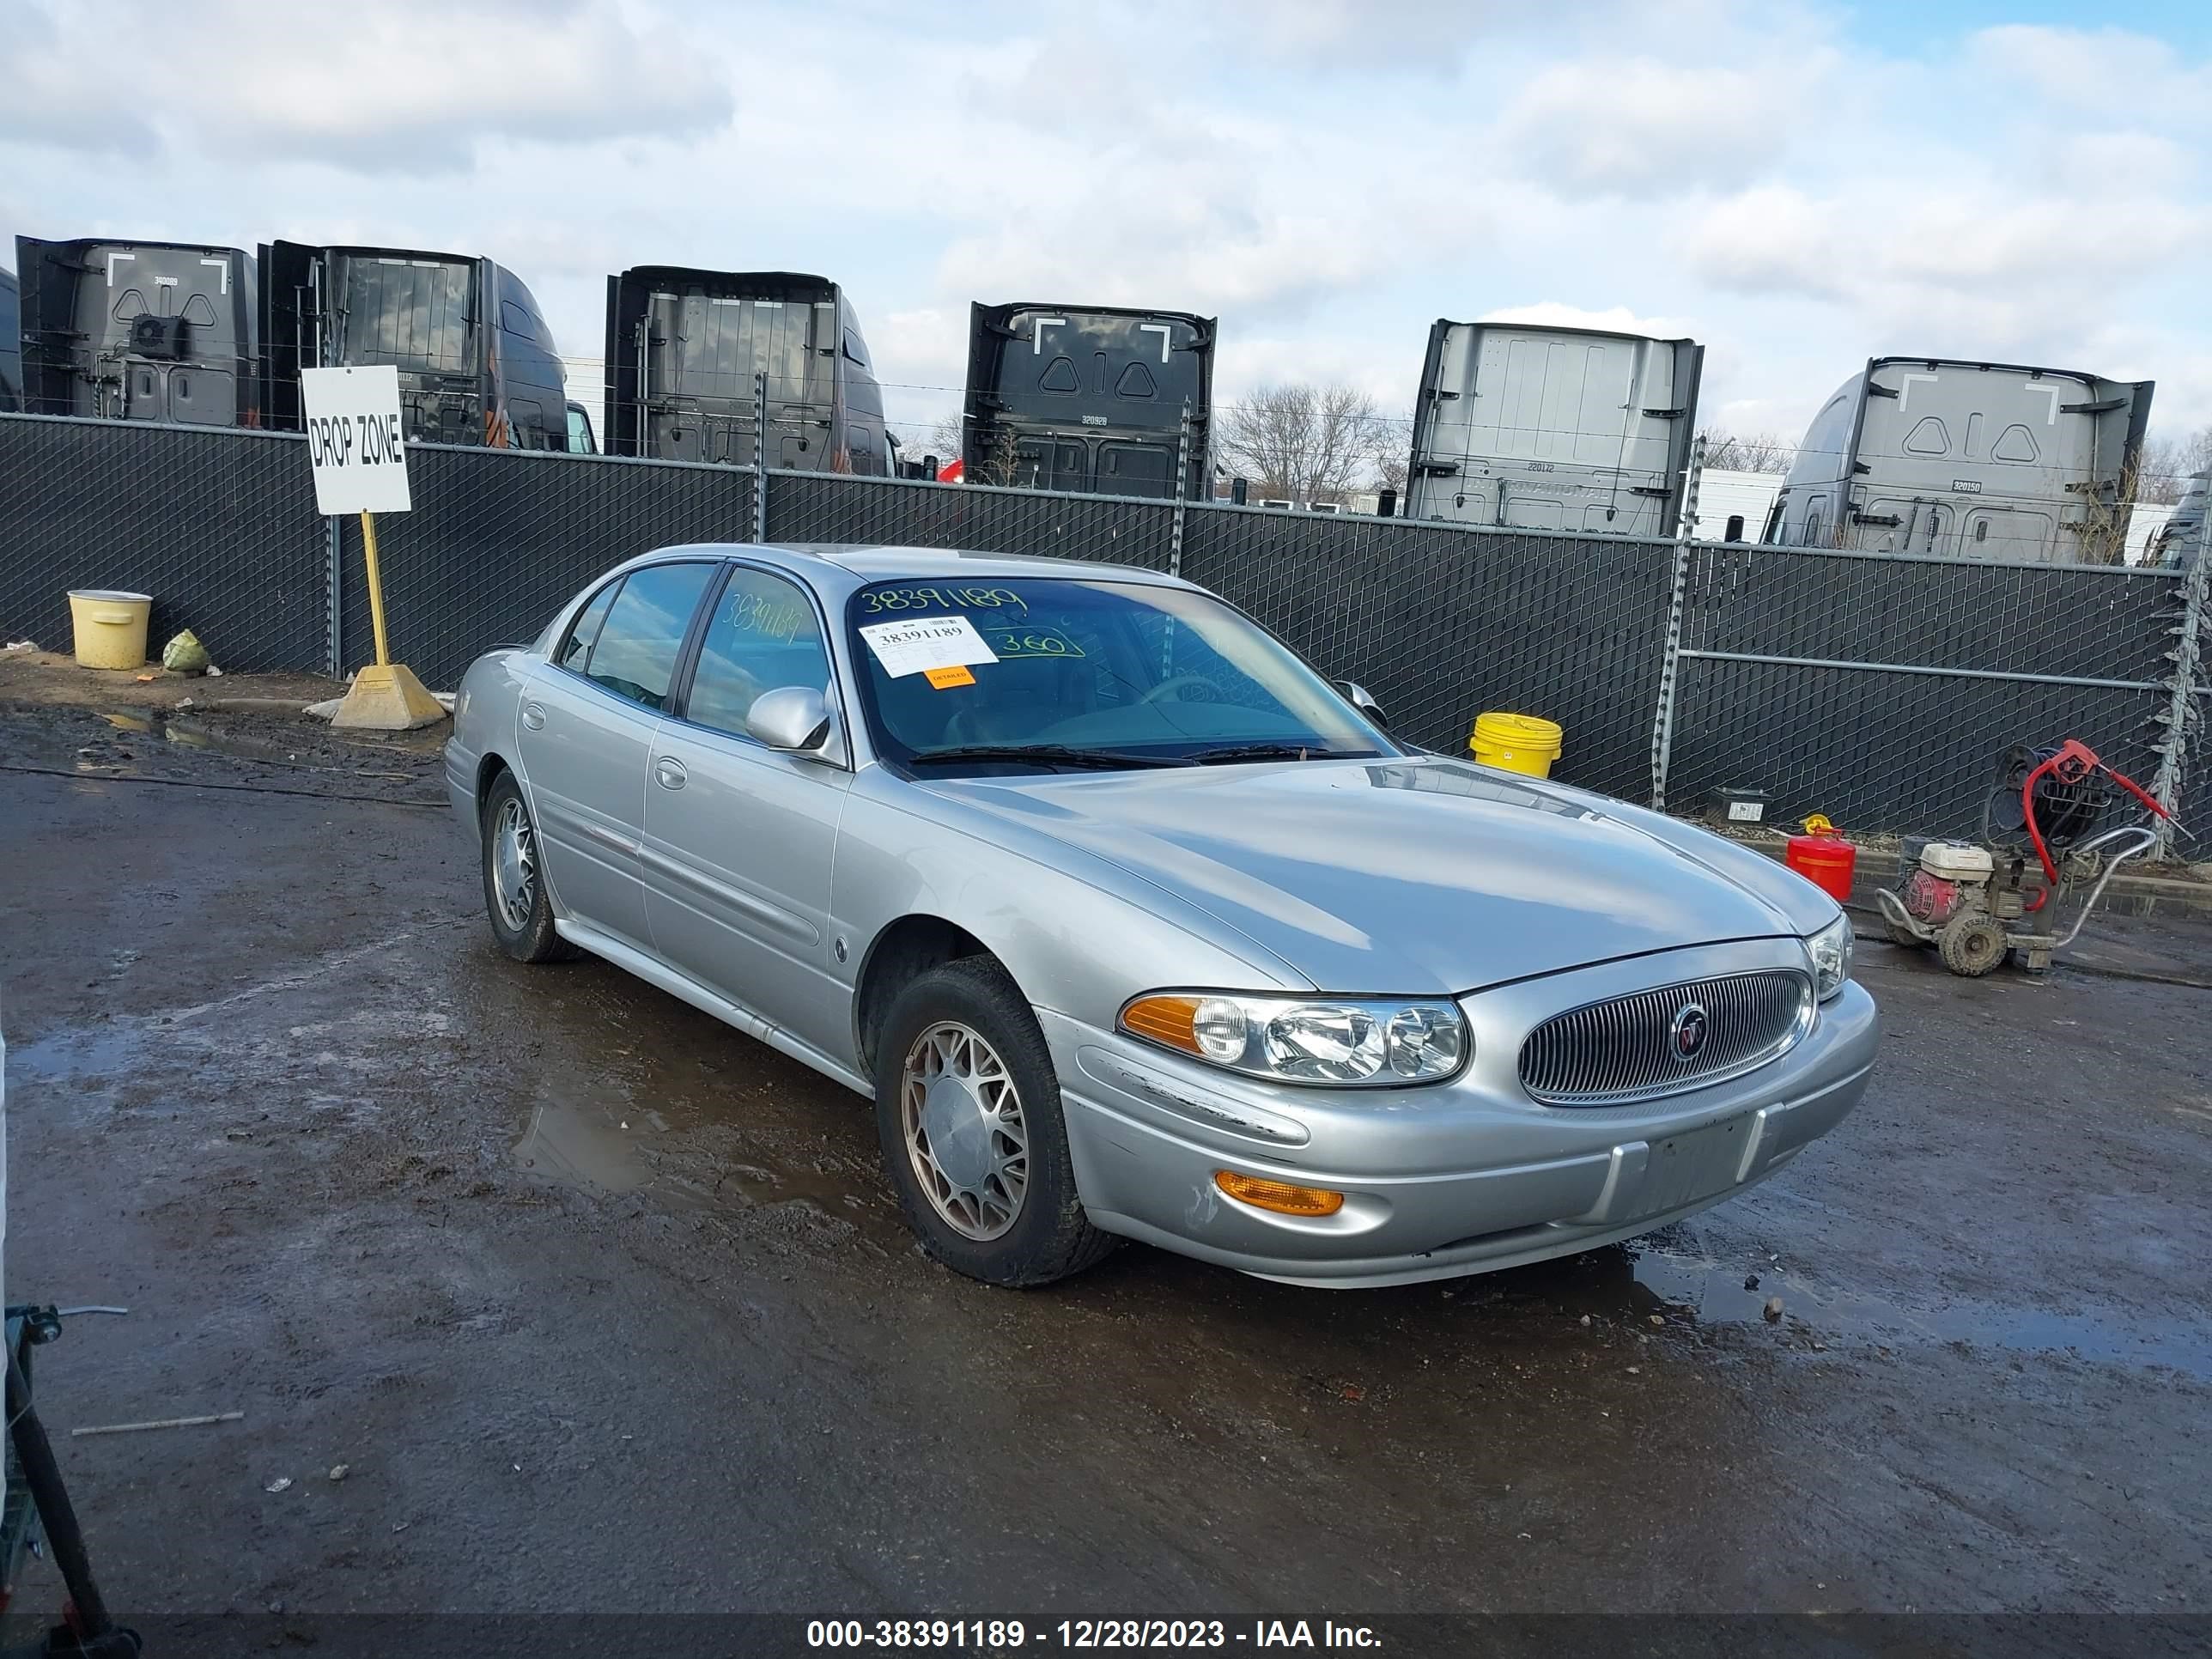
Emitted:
pixel 957 673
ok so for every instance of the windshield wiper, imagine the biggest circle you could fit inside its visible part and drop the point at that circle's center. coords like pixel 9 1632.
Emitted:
pixel 1271 752
pixel 1044 754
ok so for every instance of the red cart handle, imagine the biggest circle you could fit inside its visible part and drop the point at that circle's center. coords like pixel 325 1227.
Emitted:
pixel 2074 762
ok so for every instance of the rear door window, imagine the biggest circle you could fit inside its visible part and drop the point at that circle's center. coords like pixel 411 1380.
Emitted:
pixel 576 650
pixel 635 654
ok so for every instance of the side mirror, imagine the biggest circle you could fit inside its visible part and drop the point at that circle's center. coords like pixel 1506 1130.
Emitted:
pixel 791 717
pixel 1357 693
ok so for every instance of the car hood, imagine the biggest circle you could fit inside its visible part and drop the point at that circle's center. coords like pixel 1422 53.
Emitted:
pixel 1420 875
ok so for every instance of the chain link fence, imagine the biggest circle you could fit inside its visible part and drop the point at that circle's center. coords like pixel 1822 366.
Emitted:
pixel 499 538
pixel 1882 691
pixel 1441 623
pixel 1878 689
pixel 219 525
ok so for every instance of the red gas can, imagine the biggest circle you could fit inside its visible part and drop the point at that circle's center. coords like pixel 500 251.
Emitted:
pixel 1824 858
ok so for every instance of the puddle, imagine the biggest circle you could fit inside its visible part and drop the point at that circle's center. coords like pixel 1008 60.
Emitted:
pixel 579 1145
pixel 189 734
pixel 603 1143
pixel 865 1200
pixel 77 1054
pixel 1681 1288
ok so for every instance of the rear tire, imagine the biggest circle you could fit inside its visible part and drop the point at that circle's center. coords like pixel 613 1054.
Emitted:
pixel 515 898
pixel 1972 944
pixel 992 1193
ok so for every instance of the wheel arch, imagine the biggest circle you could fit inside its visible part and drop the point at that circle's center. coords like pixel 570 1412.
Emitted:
pixel 901 953
pixel 490 770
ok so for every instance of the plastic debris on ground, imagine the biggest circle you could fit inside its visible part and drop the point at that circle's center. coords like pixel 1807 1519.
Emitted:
pixel 184 655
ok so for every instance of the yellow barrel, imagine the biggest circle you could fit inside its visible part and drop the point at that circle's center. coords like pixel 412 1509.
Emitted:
pixel 111 627
pixel 1517 743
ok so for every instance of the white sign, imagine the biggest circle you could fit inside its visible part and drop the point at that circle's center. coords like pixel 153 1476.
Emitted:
pixel 917 645
pixel 356 439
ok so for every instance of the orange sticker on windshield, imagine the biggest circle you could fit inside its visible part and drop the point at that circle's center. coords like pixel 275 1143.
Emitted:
pixel 956 675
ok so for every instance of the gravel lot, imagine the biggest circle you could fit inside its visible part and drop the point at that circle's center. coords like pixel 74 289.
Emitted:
pixel 605 1309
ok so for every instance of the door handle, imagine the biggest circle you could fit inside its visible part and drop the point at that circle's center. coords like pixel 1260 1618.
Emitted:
pixel 533 715
pixel 671 773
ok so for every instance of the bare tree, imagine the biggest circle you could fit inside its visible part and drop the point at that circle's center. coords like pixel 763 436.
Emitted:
pixel 1299 442
pixel 1757 451
pixel 1391 449
pixel 2167 464
pixel 941 439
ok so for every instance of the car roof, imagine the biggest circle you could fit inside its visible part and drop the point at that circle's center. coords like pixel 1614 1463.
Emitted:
pixel 867 563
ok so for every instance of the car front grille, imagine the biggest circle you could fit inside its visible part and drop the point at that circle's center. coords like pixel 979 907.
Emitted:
pixel 1611 1053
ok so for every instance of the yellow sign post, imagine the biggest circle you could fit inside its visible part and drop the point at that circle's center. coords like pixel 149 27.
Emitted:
pixel 357 445
pixel 385 695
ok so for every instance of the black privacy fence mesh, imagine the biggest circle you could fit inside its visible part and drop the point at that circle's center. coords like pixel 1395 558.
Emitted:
pixel 219 526
pixel 1882 692
pixel 499 538
pixel 819 507
pixel 1877 689
pixel 1441 624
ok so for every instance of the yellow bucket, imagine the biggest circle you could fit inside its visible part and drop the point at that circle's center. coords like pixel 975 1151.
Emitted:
pixel 110 626
pixel 1516 743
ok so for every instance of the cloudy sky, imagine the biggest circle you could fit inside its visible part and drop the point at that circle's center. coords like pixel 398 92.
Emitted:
pixel 1799 186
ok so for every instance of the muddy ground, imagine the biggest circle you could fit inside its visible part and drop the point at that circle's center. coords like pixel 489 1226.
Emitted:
pixel 603 1307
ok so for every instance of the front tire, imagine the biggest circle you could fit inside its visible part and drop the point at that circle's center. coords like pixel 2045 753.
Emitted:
pixel 968 1112
pixel 515 900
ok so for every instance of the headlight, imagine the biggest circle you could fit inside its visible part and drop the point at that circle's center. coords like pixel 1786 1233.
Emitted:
pixel 1830 949
pixel 1361 1041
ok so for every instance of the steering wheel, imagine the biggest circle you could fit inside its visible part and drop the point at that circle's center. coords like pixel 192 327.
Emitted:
pixel 1175 684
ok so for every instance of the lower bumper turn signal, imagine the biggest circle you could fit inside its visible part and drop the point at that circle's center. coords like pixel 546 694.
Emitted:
pixel 1277 1196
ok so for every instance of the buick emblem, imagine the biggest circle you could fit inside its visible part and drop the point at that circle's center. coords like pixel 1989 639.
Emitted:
pixel 1688 1033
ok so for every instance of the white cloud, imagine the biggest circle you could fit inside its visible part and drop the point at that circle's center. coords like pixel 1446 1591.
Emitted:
pixel 2090 69
pixel 2086 165
pixel 1607 126
pixel 1997 270
pixel 1326 176
pixel 1418 36
pixel 1387 371
pixel 403 86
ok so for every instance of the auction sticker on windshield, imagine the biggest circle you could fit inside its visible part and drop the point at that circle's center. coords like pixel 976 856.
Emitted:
pixel 918 644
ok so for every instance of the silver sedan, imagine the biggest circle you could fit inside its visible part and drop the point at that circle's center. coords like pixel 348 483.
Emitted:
pixel 1134 926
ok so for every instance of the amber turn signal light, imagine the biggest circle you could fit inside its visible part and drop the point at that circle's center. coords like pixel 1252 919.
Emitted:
pixel 1169 1020
pixel 1278 1195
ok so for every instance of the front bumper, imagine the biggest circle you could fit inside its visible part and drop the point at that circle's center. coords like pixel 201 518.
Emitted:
pixel 1456 1178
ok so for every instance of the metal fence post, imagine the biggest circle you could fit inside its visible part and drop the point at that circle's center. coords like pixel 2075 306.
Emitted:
pixel 1182 490
pixel 760 455
pixel 1670 660
pixel 334 550
pixel 2182 713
